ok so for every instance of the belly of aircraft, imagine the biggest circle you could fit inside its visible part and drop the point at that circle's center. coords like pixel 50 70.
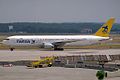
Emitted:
pixel 81 43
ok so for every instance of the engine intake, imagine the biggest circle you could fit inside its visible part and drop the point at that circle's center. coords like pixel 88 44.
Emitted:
pixel 47 45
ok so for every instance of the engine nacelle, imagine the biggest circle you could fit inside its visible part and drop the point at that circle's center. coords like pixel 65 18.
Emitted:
pixel 47 45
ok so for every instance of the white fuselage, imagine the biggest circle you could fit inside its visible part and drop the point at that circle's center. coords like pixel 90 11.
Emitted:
pixel 34 40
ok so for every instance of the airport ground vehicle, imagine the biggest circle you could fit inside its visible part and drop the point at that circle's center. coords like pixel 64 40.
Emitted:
pixel 46 62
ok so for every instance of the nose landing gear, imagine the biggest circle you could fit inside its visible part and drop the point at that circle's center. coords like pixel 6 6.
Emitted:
pixel 11 49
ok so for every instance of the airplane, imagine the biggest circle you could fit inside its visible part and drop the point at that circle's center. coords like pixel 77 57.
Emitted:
pixel 57 42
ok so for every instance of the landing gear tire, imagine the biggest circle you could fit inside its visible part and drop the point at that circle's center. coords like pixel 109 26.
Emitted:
pixel 49 65
pixel 11 49
pixel 58 49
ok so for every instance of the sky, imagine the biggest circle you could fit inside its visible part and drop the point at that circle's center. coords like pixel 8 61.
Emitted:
pixel 59 11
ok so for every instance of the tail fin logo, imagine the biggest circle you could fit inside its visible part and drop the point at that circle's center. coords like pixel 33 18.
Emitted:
pixel 105 29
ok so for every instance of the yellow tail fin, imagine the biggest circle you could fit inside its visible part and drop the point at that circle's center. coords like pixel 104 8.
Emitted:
pixel 106 28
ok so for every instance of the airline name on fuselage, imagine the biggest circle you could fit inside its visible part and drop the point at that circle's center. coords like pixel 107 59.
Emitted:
pixel 25 41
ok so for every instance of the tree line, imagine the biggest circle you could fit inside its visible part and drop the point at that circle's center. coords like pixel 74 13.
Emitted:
pixel 25 27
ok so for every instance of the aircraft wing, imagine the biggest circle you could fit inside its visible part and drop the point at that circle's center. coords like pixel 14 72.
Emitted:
pixel 62 43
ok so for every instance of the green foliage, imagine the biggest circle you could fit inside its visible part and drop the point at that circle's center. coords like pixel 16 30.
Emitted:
pixel 53 27
pixel 100 75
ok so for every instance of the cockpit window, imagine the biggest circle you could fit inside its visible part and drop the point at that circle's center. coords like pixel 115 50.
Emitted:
pixel 7 39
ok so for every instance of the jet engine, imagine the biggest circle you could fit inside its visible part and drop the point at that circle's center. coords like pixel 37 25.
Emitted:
pixel 47 45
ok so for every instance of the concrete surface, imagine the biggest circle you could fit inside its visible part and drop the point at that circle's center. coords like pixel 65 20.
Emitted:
pixel 6 55
pixel 53 73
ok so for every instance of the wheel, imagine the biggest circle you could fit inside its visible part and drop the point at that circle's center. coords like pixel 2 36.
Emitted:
pixel 58 49
pixel 35 66
pixel 11 49
pixel 40 66
pixel 49 65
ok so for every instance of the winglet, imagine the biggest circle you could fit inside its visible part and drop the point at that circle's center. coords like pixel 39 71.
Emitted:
pixel 106 28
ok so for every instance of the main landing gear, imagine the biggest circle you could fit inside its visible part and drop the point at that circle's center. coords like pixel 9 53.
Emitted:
pixel 58 49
